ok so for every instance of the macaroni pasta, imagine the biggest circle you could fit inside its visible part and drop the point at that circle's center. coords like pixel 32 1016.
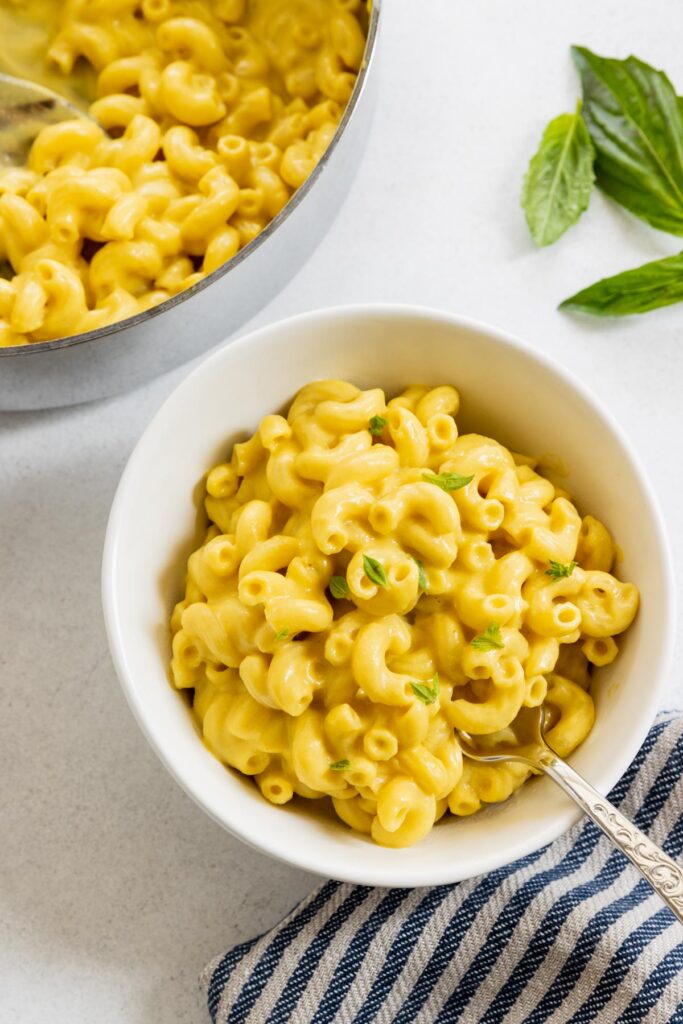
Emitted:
pixel 371 583
pixel 207 116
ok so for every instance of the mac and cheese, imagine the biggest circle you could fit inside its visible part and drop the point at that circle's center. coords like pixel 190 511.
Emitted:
pixel 207 116
pixel 371 582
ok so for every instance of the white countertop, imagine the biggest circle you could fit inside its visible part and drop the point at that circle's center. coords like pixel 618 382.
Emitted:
pixel 115 888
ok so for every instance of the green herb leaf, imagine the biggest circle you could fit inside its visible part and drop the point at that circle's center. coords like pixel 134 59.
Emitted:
pixel 375 571
pixel 427 694
pixel 635 122
pixel 560 178
pixel 447 481
pixel 340 766
pixel 558 571
pixel 488 640
pixel 377 425
pixel 652 286
pixel 339 588
pixel 282 634
pixel 421 575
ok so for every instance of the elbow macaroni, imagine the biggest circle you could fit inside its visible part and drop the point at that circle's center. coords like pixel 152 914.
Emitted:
pixel 207 117
pixel 347 614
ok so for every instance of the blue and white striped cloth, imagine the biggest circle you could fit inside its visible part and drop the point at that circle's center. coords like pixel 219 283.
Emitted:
pixel 568 934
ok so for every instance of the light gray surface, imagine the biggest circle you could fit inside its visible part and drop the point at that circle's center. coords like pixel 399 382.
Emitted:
pixel 115 888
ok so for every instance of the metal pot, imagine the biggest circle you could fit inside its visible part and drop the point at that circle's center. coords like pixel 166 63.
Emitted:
pixel 124 355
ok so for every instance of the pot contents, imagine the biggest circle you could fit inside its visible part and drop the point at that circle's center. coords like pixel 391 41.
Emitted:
pixel 205 117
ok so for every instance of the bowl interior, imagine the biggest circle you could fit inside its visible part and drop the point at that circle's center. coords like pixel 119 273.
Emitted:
pixel 507 391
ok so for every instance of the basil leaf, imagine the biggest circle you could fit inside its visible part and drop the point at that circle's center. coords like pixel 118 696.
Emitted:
pixel 376 425
pixel 427 694
pixel 339 588
pixel 635 121
pixel 282 634
pixel 375 571
pixel 447 481
pixel 558 571
pixel 651 286
pixel 488 640
pixel 340 766
pixel 560 177
pixel 422 581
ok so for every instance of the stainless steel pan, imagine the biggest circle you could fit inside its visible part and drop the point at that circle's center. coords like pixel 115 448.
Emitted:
pixel 124 355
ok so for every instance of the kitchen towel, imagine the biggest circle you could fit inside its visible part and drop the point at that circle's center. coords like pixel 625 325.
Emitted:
pixel 571 933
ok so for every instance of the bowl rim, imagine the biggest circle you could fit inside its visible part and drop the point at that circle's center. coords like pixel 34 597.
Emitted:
pixel 348 869
pixel 56 344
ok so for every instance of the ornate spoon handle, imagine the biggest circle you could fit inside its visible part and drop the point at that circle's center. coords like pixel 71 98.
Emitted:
pixel 663 874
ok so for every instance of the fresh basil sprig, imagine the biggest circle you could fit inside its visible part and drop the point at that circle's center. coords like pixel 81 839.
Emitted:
pixel 655 284
pixel 560 178
pixel 634 119
pixel 631 121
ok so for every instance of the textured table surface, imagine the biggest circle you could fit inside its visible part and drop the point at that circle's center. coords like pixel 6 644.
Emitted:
pixel 115 887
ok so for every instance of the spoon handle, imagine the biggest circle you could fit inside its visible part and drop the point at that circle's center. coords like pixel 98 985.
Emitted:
pixel 663 874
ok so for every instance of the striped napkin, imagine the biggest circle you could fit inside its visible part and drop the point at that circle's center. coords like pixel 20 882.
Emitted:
pixel 571 933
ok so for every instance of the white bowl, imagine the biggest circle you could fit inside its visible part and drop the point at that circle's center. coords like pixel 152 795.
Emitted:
pixel 509 391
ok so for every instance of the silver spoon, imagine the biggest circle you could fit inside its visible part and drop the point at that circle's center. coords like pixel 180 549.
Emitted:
pixel 25 108
pixel 663 874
